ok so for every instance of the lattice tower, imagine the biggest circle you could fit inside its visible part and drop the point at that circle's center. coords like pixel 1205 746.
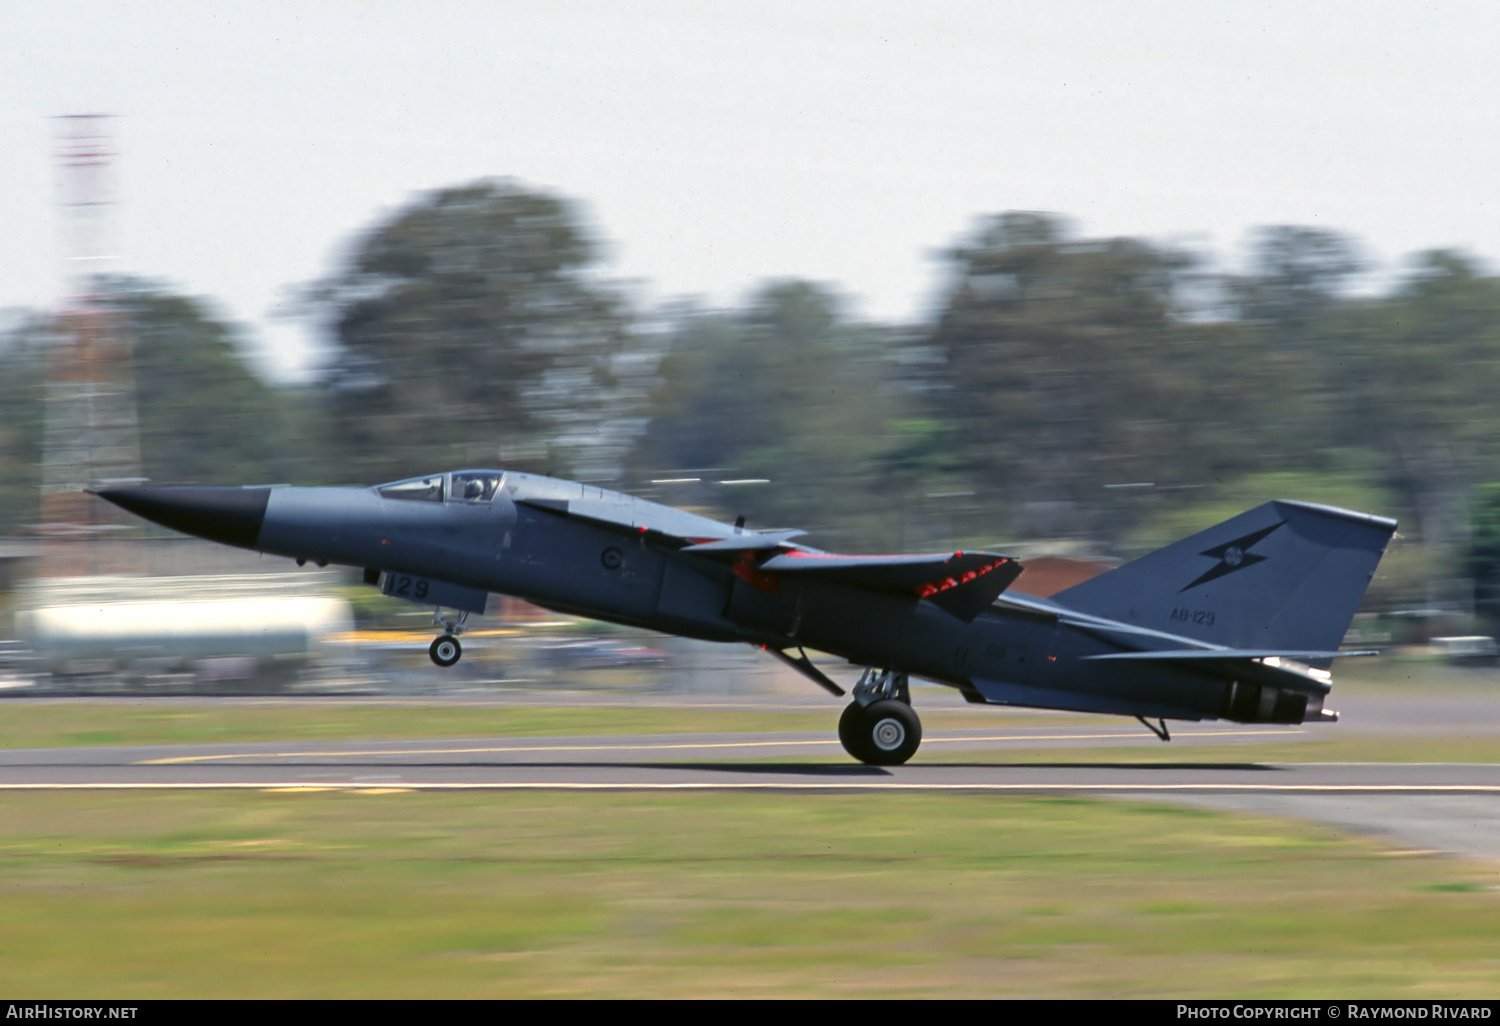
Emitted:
pixel 90 437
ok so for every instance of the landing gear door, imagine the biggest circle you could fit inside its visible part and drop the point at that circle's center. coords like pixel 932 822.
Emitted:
pixel 428 592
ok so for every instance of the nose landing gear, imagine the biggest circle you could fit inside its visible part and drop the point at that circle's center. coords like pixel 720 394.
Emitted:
pixel 445 650
pixel 880 727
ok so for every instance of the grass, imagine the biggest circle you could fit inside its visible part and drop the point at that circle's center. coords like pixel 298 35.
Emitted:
pixel 413 895
pixel 410 895
pixel 46 724
pixel 25 724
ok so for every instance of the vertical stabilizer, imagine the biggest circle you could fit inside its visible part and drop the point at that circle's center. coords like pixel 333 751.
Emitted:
pixel 1286 575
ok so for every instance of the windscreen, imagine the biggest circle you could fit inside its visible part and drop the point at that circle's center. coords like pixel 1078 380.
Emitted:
pixel 422 489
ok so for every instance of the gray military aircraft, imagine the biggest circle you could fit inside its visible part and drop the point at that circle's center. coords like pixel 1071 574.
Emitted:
pixel 1238 622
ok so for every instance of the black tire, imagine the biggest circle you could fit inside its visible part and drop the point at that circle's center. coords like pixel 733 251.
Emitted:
pixel 445 651
pixel 849 731
pixel 888 733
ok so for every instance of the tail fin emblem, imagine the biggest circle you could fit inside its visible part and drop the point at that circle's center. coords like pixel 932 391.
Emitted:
pixel 1232 556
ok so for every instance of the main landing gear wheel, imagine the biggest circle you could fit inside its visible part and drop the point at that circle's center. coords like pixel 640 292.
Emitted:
pixel 445 650
pixel 883 733
pixel 848 728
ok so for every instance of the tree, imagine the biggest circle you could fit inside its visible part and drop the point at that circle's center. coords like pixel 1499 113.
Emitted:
pixel 1482 561
pixel 469 328
pixel 1297 276
pixel 1412 379
pixel 788 389
pixel 1070 366
pixel 23 351
pixel 204 415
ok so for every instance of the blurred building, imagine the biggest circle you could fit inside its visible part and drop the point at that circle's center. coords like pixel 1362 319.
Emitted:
pixel 1048 575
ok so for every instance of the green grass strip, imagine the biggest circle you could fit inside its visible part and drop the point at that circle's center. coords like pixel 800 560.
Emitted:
pixel 412 895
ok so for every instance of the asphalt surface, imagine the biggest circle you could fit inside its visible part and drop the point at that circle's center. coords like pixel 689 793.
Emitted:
pixel 1444 807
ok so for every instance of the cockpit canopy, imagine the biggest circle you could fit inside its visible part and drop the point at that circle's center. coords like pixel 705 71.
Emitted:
pixel 463 486
pixel 477 485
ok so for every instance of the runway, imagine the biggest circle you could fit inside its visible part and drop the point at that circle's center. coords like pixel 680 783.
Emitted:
pixel 1448 807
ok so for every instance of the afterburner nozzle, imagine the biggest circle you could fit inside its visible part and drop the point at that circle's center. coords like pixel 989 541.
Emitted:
pixel 229 515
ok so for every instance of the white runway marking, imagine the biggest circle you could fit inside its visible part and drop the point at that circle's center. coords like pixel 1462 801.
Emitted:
pixel 871 785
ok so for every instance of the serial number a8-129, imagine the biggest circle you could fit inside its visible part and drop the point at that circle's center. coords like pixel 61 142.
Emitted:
pixel 430 592
pixel 406 586
pixel 1202 617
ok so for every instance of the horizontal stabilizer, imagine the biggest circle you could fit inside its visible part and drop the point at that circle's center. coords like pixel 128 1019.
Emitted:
pixel 963 583
pixel 1204 654
pixel 1293 671
pixel 1007 693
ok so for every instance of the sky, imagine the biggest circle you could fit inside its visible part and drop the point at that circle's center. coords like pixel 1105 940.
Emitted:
pixel 714 145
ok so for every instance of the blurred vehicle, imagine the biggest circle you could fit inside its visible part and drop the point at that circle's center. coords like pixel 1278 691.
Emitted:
pixel 603 653
pixel 221 630
pixel 1469 650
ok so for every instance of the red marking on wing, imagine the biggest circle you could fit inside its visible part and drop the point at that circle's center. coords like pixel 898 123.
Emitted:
pixel 929 590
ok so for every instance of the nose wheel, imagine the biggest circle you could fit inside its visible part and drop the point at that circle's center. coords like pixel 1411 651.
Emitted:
pixel 446 650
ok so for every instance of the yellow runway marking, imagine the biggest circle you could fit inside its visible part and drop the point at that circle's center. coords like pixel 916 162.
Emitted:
pixel 175 760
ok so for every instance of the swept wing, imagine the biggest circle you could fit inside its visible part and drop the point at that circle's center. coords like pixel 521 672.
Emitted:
pixel 963 583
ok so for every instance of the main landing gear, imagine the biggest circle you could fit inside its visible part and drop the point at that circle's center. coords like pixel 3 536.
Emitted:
pixel 445 651
pixel 880 727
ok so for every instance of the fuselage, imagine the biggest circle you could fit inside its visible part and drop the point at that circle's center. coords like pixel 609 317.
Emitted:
pixel 1233 622
pixel 1238 621
pixel 592 552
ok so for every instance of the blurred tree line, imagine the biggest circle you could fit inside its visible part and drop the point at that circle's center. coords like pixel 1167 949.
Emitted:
pixel 1109 390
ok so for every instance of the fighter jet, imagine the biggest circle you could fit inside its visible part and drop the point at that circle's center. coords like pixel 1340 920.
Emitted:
pixel 1238 622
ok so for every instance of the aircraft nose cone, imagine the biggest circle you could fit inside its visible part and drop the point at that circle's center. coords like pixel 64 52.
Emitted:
pixel 229 515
